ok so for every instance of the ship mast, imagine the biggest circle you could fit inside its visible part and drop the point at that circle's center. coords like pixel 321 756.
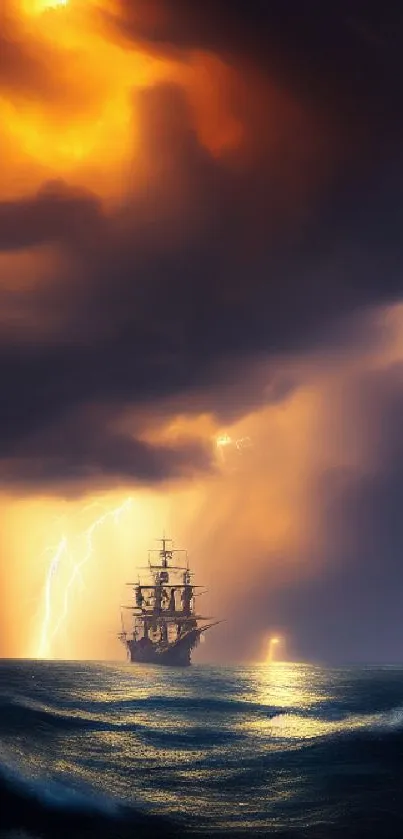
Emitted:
pixel 165 621
pixel 166 605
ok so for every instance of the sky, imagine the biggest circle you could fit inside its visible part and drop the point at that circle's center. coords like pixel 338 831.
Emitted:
pixel 200 240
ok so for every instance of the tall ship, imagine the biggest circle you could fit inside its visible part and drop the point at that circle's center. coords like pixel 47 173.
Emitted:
pixel 165 626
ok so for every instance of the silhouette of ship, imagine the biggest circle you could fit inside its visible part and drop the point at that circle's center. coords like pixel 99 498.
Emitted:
pixel 165 627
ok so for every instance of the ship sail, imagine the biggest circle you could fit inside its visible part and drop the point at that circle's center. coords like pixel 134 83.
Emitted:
pixel 165 624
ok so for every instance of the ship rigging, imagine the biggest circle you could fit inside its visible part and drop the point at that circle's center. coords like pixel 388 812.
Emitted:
pixel 165 624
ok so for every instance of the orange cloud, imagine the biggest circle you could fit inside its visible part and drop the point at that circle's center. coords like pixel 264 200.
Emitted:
pixel 68 98
pixel 146 186
pixel 253 526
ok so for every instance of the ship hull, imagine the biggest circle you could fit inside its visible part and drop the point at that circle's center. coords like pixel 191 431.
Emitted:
pixel 176 654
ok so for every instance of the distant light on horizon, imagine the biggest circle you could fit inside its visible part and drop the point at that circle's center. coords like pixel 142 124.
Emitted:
pixel 274 642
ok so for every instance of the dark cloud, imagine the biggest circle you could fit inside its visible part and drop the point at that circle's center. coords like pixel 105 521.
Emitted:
pixel 327 55
pixel 85 448
pixel 215 262
pixel 56 213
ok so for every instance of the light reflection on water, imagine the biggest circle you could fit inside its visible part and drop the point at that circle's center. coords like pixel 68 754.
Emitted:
pixel 222 744
pixel 289 685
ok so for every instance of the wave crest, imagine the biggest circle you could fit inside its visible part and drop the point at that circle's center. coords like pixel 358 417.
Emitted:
pixel 48 809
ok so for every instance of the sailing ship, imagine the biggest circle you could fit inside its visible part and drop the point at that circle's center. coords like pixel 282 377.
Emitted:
pixel 165 624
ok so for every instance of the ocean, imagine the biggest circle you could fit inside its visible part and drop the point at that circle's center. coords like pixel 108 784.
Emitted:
pixel 117 750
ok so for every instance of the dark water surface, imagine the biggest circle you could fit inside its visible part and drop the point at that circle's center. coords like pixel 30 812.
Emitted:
pixel 108 751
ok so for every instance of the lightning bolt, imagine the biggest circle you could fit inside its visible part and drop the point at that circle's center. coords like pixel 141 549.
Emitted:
pixel 47 636
pixel 225 440
pixel 54 564
pixel 115 514
pixel 243 443
pixel 221 443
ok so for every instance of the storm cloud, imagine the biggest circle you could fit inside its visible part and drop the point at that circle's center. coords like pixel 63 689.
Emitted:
pixel 199 205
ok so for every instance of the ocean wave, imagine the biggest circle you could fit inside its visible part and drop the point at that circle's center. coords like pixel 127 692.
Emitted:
pixel 46 808
pixel 302 729
pixel 188 703
pixel 136 753
pixel 19 714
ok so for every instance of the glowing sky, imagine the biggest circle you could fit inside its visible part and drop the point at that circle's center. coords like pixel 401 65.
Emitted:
pixel 200 240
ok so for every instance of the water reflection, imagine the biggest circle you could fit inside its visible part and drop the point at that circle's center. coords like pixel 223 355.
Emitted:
pixel 222 746
pixel 288 685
